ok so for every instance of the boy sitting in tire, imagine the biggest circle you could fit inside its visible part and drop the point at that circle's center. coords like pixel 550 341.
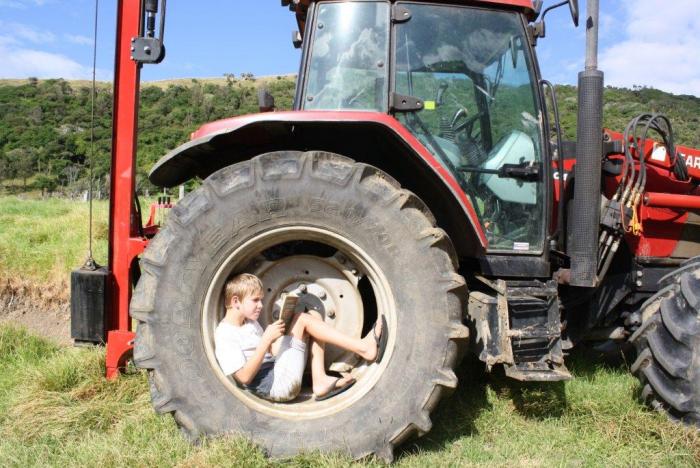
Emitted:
pixel 271 363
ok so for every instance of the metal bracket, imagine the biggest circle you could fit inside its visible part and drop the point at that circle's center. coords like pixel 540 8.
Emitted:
pixel 297 39
pixel 120 347
pixel 401 103
pixel 147 50
pixel 400 14
pixel 536 31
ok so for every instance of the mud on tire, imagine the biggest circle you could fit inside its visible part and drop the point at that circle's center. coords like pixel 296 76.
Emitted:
pixel 306 194
pixel 668 345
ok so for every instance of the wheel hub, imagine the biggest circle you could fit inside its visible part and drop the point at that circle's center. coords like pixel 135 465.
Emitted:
pixel 341 276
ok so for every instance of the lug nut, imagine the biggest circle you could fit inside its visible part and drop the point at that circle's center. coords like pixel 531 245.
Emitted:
pixel 331 314
pixel 322 295
pixel 302 288
pixel 639 284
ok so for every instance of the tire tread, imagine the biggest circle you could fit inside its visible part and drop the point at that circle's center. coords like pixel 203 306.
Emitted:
pixel 668 345
pixel 341 171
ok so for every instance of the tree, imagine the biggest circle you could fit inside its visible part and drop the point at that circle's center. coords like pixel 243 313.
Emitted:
pixel 46 184
pixel 23 163
pixel 71 173
pixel 4 168
pixel 230 78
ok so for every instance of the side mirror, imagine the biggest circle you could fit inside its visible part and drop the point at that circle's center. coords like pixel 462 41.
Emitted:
pixel 266 102
pixel 573 6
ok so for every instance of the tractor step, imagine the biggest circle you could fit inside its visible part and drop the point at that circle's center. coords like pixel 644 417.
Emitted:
pixel 524 372
pixel 518 325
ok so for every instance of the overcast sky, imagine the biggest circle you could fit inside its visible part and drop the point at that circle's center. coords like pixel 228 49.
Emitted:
pixel 643 42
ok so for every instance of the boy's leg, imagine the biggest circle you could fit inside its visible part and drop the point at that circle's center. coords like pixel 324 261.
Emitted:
pixel 319 330
pixel 322 383
pixel 290 361
pixel 275 347
pixel 288 369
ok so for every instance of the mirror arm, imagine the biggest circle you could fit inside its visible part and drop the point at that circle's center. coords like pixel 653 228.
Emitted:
pixel 556 5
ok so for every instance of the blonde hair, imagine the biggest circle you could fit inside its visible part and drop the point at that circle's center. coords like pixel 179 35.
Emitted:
pixel 241 286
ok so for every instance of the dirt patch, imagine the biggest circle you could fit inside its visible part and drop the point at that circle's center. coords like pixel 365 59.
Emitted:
pixel 43 308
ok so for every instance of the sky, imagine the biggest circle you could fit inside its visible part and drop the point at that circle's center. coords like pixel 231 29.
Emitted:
pixel 652 43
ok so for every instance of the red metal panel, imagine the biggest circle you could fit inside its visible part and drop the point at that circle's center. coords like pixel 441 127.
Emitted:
pixel 526 5
pixel 515 3
pixel 234 123
pixel 121 208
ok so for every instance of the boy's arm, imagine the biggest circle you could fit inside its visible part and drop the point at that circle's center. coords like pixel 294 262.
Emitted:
pixel 247 373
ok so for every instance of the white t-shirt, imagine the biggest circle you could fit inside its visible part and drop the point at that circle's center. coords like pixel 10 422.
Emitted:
pixel 235 345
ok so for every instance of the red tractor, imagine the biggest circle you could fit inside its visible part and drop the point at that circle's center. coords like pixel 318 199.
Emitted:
pixel 417 178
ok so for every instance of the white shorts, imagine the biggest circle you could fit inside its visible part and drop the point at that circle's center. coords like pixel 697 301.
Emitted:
pixel 289 369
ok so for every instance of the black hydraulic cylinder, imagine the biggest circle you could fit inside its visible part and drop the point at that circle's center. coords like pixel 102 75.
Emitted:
pixel 584 214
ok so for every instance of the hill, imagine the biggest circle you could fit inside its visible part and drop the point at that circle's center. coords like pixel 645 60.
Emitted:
pixel 45 134
pixel 45 125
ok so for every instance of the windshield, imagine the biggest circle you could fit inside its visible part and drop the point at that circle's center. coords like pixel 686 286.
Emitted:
pixel 348 58
pixel 479 118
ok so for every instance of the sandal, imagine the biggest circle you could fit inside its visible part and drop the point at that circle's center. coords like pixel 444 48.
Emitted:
pixel 335 390
pixel 381 340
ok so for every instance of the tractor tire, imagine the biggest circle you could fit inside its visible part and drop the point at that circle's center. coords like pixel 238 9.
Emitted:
pixel 276 201
pixel 668 345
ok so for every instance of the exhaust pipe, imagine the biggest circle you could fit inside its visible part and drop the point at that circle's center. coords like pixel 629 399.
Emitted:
pixel 584 219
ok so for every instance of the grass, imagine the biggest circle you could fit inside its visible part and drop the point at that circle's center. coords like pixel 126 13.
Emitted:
pixel 43 240
pixel 56 409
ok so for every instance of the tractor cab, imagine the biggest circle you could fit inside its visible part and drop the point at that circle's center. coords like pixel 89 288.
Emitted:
pixel 461 79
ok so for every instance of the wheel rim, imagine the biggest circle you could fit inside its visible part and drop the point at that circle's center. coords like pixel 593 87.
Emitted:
pixel 247 256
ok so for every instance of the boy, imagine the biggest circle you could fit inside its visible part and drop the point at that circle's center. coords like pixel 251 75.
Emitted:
pixel 270 363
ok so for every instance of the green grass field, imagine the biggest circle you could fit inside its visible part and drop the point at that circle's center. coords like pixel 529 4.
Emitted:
pixel 56 409
pixel 43 240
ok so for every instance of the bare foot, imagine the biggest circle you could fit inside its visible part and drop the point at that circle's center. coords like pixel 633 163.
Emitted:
pixel 328 384
pixel 371 343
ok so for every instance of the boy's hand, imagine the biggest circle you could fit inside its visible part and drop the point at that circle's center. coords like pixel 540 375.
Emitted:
pixel 273 331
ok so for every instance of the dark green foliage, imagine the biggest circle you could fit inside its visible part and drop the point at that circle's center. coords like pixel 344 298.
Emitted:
pixel 621 105
pixel 45 183
pixel 44 124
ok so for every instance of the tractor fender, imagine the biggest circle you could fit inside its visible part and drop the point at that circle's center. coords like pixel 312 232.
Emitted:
pixel 367 137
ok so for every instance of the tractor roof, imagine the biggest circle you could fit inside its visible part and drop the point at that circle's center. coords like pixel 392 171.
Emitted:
pixel 301 6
